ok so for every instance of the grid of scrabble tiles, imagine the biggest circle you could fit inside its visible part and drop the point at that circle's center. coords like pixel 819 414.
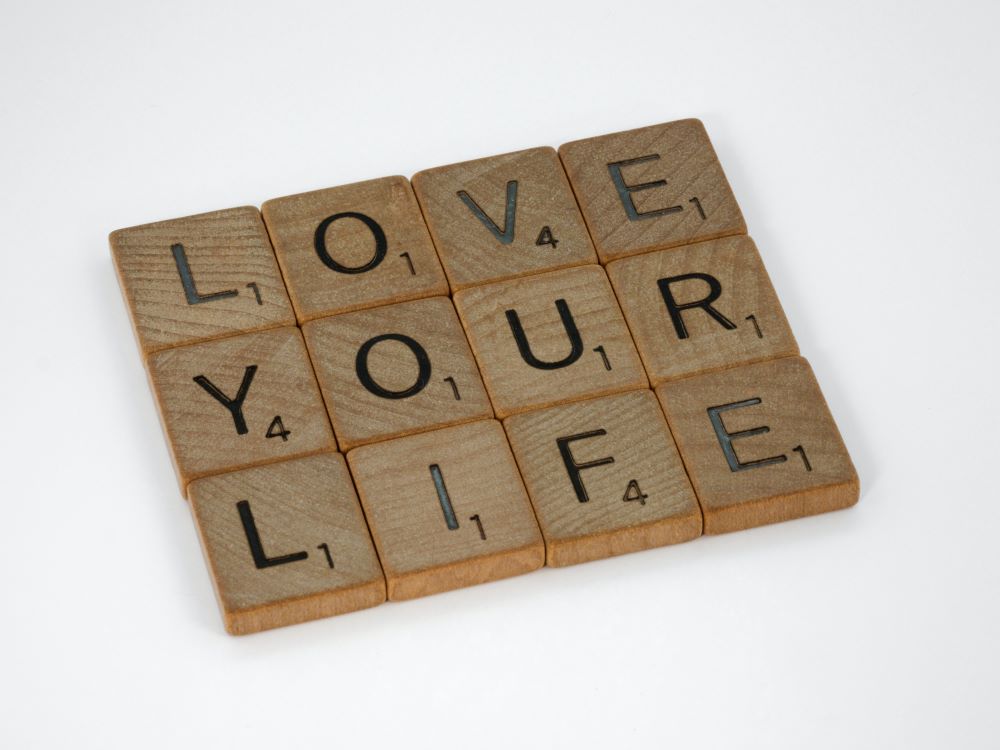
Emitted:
pixel 612 371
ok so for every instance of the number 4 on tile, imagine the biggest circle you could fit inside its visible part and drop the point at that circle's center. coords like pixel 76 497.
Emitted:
pixel 277 429
pixel 634 494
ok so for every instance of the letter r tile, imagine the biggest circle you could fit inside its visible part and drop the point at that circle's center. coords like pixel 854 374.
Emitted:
pixel 604 477
pixel 549 339
pixel 701 307
pixel 651 188
pixel 759 444
pixel 446 509
pixel 286 543
pixel 502 217
pixel 239 402
pixel 199 278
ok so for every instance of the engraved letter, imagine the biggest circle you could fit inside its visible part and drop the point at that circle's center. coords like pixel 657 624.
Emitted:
pixel 576 343
pixel 423 363
pixel 187 280
pixel 726 438
pixel 705 303
pixel 505 235
pixel 234 405
pixel 573 468
pixel 319 241
pixel 260 559
pixel 625 191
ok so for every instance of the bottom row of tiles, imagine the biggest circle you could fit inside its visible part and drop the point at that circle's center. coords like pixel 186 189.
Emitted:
pixel 288 542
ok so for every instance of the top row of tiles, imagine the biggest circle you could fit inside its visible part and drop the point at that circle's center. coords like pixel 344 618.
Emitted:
pixel 373 243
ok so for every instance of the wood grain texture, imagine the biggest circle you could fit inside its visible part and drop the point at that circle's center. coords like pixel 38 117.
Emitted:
pixel 205 436
pixel 224 252
pixel 515 385
pixel 631 491
pixel 672 179
pixel 473 251
pixel 351 245
pixel 450 393
pixel 420 554
pixel 685 341
pixel 291 509
pixel 791 461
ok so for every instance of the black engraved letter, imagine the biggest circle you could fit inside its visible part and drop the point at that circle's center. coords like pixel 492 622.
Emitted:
pixel 260 559
pixel 187 280
pixel 234 405
pixel 625 191
pixel 505 235
pixel 573 468
pixel 380 243
pixel 705 303
pixel 576 343
pixel 423 363
pixel 726 438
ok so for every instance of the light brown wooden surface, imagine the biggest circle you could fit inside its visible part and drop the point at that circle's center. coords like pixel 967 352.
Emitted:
pixel 665 215
pixel 223 254
pixel 261 530
pixel 631 491
pixel 446 390
pixel 420 554
pixel 203 434
pixel 791 413
pixel 515 385
pixel 479 249
pixel 723 337
pixel 352 245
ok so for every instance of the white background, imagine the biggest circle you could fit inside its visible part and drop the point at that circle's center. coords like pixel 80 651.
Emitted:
pixel 861 140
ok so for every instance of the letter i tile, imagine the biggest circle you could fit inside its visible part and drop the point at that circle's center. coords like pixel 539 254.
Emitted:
pixel 447 509
pixel 759 444
pixel 604 477
pixel 286 543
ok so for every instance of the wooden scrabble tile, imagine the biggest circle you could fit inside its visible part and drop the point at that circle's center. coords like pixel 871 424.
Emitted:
pixel 241 401
pixel 352 247
pixel 199 278
pixel 286 543
pixel 701 307
pixel 549 339
pixel 503 216
pixel 759 444
pixel 395 370
pixel 447 509
pixel 650 188
pixel 604 477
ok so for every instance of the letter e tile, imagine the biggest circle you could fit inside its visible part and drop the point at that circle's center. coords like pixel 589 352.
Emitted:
pixel 286 543
pixel 759 444
pixel 651 188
